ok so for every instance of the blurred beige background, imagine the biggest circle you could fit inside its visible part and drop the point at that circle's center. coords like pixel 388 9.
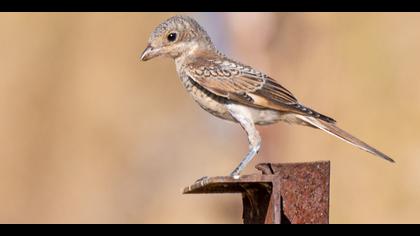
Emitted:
pixel 89 134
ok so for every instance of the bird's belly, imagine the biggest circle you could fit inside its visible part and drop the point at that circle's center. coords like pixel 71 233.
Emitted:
pixel 208 101
pixel 267 117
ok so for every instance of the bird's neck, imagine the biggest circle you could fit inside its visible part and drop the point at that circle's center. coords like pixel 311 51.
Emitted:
pixel 196 51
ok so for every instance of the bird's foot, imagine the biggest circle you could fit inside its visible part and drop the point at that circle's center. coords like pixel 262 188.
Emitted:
pixel 235 174
pixel 201 179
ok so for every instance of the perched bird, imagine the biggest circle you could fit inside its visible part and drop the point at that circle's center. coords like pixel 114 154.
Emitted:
pixel 233 91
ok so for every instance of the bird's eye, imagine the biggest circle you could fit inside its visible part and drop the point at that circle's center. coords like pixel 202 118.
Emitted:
pixel 171 37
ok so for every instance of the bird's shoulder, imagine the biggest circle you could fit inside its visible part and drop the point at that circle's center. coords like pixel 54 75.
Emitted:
pixel 217 65
pixel 224 76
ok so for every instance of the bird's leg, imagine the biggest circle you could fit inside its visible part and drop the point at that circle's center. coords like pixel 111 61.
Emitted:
pixel 243 116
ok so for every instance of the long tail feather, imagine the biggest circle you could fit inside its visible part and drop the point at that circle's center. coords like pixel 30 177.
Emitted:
pixel 332 129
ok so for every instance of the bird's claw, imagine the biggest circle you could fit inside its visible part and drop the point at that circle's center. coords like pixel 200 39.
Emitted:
pixel 201 179
pixel 235 174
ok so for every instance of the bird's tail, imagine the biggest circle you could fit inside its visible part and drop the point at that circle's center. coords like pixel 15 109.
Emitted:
pixel 332 129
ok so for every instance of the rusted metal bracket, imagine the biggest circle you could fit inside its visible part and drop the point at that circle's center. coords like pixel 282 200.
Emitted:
pixel 293 193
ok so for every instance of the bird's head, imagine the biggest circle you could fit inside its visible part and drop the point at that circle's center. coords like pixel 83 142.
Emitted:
pixel 177 36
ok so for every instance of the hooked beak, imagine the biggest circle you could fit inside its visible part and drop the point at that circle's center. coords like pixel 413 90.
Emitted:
pixel 149 53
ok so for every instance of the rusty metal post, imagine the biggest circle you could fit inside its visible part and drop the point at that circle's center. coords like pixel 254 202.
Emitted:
pixel 294 193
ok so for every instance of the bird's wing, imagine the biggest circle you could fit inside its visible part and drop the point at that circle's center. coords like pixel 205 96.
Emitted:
pixel 237 82
pixel 243 84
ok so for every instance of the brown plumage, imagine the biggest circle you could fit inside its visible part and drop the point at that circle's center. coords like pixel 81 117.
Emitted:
pixel 231 90
pixel 243 84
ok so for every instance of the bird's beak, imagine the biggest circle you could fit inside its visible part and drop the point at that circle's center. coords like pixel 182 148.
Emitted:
pixel 149 53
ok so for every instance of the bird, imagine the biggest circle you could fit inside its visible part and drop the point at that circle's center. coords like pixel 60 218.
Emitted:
pixel 233 91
